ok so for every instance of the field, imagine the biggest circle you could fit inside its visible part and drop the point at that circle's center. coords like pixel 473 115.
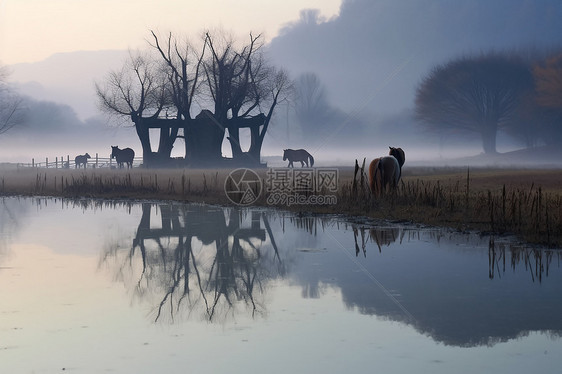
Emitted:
pixel 524 202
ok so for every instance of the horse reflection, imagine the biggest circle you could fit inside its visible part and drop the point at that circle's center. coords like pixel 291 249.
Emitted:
pixel 209 257
pixel 382 236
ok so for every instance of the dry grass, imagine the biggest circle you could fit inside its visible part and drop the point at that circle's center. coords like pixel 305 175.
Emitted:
pixel 525 202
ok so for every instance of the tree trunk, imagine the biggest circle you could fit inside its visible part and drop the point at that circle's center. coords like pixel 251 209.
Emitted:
pixel 167 138
pixel 234 138
pixel 144 137
pixel 489 133
pixel 255 146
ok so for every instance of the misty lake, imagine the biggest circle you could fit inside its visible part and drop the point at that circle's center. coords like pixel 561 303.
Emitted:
pixel 93 286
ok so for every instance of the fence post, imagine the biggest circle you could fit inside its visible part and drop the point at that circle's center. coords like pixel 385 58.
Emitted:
pixel 56 162
pixel 96 160
pixel 46 162
pixel 68 161
pixel 32 162
pixel 110 161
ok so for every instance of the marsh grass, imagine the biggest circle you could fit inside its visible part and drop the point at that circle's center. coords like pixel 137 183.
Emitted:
pixel 527 203
pixel 528 212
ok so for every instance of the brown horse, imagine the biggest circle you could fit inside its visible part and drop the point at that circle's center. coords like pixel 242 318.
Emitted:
pixel 387 170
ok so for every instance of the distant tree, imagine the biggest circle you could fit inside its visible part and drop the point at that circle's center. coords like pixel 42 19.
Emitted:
pixel 476 94
pixel 11 104
pixel 548 78
pixel 548 99
pixel 313 111
pixel 311 102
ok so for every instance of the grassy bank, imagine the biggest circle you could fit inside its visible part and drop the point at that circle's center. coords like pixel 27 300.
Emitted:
pixel 524 202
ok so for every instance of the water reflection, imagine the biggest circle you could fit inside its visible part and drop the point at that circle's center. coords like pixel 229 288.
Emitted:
pixel 204 262
pixel 203 259
pixel 10 213
pixel 446 294
pixel 381 236
pixel 536 261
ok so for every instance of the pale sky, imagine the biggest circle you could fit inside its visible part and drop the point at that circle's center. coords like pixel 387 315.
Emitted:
pixel 32 30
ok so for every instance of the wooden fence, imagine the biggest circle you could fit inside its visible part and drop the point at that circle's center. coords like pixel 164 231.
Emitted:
pixel 67 163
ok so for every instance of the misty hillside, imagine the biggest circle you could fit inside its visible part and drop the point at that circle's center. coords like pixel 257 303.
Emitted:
pixel 67 78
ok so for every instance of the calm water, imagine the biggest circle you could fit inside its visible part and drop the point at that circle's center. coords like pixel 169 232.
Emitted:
pixel 93 287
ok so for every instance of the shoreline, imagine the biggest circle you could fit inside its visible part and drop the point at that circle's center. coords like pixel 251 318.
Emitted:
pixel 526 203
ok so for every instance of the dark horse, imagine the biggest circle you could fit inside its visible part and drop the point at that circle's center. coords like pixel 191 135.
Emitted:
pixel 297 155
pixel 398 153
pixel 81 160
pixel 123 156
pixel 386 170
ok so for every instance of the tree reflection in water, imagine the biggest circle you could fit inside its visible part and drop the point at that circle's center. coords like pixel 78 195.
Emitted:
pixel 214 262
pixel 537 261
pixel 206 257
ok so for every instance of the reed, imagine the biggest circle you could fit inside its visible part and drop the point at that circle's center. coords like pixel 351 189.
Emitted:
pixel 526 203
pixel 532 214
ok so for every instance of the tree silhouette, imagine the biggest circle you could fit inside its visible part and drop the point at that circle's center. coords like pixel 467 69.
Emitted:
pixel 231 83
pixel 311 107
pixel 548 79
pixel 475 94
pixel 548 99
pixel 11 105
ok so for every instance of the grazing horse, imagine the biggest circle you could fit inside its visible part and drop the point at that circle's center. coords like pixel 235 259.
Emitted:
pixel 386 170
pixel 125 155
pixel 298 155
pixel 81 160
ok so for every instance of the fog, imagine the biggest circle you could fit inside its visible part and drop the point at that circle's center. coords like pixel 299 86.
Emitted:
pixel 369 60
pixel 374 54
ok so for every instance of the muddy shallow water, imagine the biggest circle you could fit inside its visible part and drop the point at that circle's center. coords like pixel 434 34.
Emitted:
pixel 93 286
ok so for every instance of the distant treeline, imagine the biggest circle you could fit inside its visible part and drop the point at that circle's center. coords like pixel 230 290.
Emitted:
pixel 516 92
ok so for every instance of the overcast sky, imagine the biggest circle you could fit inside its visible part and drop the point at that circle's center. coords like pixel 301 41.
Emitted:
pixel 32 30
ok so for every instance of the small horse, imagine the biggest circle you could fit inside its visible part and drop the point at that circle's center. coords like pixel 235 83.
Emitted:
pixel 298 155
pixel 81 160
pixel 125 155
pixel 386 170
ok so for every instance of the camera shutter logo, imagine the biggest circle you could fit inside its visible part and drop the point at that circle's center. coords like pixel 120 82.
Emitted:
pixel 243 186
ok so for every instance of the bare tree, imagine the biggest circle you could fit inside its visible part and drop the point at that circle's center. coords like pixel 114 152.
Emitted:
pixel 278 87
pixel 476 94
pixel 548 98
pixel 182 66
pixel 137 90
pixel 312 108
pixel 233 79
pixel 548 77
pixel 11 104
pixel 233 82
